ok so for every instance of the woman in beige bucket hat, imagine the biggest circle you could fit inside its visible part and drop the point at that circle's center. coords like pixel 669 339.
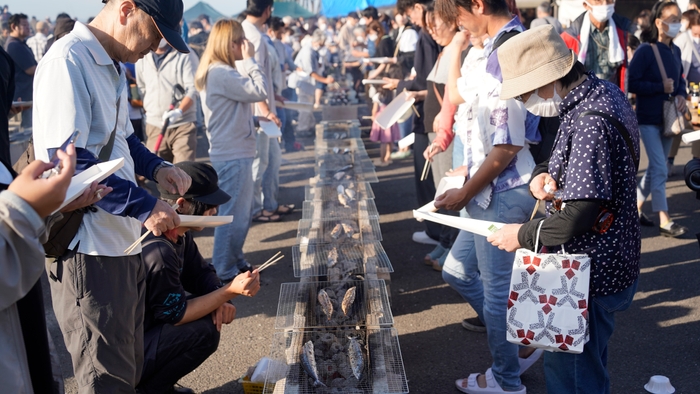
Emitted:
pixel 592 173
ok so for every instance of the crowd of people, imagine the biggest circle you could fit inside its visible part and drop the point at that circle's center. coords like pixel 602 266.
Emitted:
pixel 544 113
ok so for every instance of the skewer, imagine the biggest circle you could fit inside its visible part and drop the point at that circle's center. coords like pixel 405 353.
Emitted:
pixel 271 263
pixel 426 166
pixel 138 241
pixel 534 211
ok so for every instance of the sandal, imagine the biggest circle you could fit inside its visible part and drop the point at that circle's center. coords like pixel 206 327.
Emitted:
pixel 491 386
pixel 285 209
pixel 263 218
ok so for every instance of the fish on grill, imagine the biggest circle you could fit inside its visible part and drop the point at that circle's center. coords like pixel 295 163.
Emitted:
pixel 348 299
pixel 343 200
pixel 326 305
pixel 337 231
pixel 308 362
pixel 355 357
pixel 332 258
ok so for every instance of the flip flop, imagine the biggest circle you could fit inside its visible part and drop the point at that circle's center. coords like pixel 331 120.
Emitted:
pixel 491 386
pixel 526 363
pixel 288 208
pixel 262 218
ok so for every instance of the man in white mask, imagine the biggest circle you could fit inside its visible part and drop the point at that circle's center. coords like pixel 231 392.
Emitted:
pixel 599 38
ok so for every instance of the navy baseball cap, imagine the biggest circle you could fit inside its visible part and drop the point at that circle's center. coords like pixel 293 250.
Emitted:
pixel 167 15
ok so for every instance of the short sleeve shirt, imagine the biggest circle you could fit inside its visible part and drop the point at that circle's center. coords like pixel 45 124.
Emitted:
pixel 23 57
pixel 591 160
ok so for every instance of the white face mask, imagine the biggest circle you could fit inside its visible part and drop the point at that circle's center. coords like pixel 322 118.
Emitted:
pixel 372 37
pixel 544 107
pixel 673 29
pixel 696 40
pixel 323 26
pixel 602 13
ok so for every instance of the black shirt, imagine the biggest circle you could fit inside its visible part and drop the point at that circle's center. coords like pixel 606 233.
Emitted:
pixel 23 58
pixel 171 270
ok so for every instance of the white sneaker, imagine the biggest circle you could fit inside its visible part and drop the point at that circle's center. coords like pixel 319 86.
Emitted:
pixel 422 238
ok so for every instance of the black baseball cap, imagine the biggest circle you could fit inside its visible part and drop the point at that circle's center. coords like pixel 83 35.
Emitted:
pixel 205 184
pixel 167 15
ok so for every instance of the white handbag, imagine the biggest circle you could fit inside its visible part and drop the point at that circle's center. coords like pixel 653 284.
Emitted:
pixel 548 301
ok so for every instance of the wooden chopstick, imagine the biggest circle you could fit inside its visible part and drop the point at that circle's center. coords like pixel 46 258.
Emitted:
pixel 426 166
pixel 138 241
pixel 271 263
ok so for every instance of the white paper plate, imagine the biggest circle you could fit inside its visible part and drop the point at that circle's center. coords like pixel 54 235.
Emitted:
pixel 690 137
pixel 380 60
pixel 204 221
pixel 296 106
pixel 475 226
pixel 407 141
pixel 373 82
pixel 395 110
pixel 270 129
pixel 82 181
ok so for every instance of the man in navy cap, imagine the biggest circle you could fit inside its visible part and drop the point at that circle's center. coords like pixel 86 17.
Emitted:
pixel 98 290
pixel 182 331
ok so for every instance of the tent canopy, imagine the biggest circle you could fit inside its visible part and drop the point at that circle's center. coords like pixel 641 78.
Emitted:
pixel 335 8
pixel 290 8
pixel 202 8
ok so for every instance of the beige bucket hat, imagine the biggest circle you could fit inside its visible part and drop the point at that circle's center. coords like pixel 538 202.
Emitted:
pixel 533 59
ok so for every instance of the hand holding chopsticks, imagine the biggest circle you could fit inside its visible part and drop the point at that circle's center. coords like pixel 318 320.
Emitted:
pixel 138 241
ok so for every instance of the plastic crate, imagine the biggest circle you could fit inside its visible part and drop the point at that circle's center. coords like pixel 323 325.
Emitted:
pixel 250 387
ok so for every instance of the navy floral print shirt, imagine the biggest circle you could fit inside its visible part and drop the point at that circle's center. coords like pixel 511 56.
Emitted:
pixel 590 160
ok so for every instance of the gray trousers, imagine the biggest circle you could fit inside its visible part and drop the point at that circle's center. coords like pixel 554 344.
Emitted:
pixel 99 305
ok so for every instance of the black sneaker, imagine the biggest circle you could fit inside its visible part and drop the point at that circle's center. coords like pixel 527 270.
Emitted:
pixel 645 221
pixel 474 324
pixel 676 230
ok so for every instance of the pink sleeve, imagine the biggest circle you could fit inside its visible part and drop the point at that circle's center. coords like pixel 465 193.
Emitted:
pixel 446 117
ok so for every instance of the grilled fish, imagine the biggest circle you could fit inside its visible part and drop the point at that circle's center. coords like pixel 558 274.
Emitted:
pixel 349 231
pixel 355 357
pixel 340 189
pixel 347 167
pixel 350 193
pixel 339 175
pixel 325 302
pixel 336 150
pixel 348 300
pixel 332 258
pixel 308 362
pixel 337 231
pixel 343 200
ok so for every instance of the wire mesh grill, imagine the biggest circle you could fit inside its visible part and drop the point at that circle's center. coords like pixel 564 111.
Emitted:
pixel 327 165
pixel 338 231
pixel 349 143
pixel 352 209
pixel 353 303
pixel 352 259
pixel 339 130
pixel 327 191
pixel 382 369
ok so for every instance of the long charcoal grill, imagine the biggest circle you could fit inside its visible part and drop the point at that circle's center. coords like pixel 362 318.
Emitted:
pixel 320 231
pixel 299 306
pixel 383 370
pixel 335 210
pixel 328 191
pixel 365 259
pixel 337 130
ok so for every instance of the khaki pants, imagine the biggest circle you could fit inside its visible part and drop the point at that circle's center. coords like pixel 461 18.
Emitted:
pixel 695 147
pixel 179 143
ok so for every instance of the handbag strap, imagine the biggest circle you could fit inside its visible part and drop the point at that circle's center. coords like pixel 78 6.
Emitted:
pixel 537 237
pixel 106 151
pixel 620 129
pixel 435 89
pixel 660 63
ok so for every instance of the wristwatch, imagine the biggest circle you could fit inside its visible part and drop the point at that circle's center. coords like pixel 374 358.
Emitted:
pixel 160 166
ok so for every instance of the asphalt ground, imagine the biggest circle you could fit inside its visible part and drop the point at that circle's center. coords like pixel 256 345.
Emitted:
pixel 658 335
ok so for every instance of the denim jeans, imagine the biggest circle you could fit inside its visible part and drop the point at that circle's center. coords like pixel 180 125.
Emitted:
pixel 480 273
pixel 236 179
pixel 176 351
pixel 406 127
pixel 266 173
pixel 457 161
pixel 287 127
pixel 654 180
pixel 587 373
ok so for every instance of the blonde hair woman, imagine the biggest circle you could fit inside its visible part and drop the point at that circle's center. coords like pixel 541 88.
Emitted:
pixel 229 81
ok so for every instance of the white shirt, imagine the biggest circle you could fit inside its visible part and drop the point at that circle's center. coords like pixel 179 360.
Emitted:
pixel 262 57
pixel 76 87
pixel 37 43
pixel 408 39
